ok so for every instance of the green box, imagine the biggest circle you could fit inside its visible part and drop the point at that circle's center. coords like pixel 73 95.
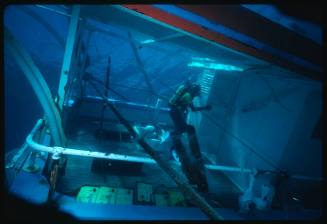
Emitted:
pixel 161 200
pixel 87 194
pixel 106 195
pixel 124 196
pixel 176 198
pixel 144 193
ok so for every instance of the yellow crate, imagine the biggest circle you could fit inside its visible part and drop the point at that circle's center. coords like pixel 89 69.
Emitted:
pixel 144 192
pixel 106 195
pixel 161 200
pixel 124 196
pixel 87 194
pixel 176 198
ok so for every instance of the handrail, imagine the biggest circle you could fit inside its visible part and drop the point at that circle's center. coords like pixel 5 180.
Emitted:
pixel 101 155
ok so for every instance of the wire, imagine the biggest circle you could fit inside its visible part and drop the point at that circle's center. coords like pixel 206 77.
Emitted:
pixel 268 84
pixel 141 67
pixel 161 186
pixel 274 94
pixel 227 113
pixel 257 67
pixel 100 82
pixel 139 62
pixel 130 87
pixel 242 142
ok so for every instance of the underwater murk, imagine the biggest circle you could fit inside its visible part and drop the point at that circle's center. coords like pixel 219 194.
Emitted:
pixel 114 114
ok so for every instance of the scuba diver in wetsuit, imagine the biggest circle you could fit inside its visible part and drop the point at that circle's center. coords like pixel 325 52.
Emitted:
pixel 179 104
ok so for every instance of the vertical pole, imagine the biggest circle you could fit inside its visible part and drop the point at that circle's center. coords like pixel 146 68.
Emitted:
pixel 106 93
pixel 65 70
pixel 32 167
pixel 53 175
pixel 85 64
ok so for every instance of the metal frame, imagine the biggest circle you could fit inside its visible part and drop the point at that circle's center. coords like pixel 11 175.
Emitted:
pixel 67 62
pixel 70 44
pixel 179 24
pixel 130 104
pixel 54 119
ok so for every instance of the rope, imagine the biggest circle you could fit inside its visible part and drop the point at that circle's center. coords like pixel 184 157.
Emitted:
pixel 141 67
pixel 114 91
pixel 267 83
pixel 242 142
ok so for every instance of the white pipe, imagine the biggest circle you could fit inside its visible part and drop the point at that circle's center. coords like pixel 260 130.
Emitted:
pixel 68 54
pixel 101 155
pixel 113 156
pixel 76 152
pixel 227 168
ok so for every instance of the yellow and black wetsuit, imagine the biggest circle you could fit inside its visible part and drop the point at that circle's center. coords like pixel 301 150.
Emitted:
pixel 179 103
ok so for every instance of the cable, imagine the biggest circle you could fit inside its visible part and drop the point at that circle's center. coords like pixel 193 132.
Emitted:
pixel 274 94
pixel 151 93
pixel 243 143
pixel 162 186
pixel 227 113
pixel 257 67
pixel 141 67
pixel 91 78
pixel 267 83
pixel 130 87
pixel 139 62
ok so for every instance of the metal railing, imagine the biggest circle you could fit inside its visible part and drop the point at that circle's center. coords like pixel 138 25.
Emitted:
pixel 101 155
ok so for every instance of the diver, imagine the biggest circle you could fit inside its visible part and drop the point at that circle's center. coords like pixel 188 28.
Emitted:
pixel 179 105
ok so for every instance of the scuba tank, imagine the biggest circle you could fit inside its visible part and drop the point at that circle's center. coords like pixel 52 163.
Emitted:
pixel 175 100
